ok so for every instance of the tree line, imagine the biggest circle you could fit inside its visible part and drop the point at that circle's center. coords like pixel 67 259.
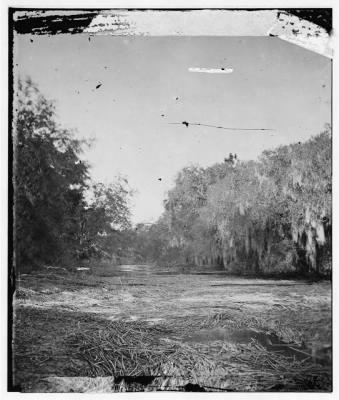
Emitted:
pixel 272 215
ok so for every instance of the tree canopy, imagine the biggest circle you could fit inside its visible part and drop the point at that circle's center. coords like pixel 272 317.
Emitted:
pixel 272 215
pixel 53 219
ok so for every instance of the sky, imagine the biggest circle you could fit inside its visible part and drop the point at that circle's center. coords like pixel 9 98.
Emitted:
pixel 148 83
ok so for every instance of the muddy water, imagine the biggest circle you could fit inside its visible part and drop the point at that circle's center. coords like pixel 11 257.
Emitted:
pixel 224 278
pixel 269 341
pixel 161 270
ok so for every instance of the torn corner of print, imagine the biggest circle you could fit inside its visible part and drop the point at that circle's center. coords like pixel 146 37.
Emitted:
pixel 303 33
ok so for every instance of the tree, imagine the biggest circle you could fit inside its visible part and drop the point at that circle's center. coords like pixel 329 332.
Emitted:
pixel 49 180
pixel 272 215
pixel 105 216
pixel 302 175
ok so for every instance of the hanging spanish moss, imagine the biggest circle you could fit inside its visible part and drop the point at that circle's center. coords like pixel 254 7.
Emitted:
pixel 268 216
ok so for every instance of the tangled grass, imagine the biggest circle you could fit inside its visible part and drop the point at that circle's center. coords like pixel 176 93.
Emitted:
pixel 127 349
pixel 71 325
pixel 275 371
pixel 132 348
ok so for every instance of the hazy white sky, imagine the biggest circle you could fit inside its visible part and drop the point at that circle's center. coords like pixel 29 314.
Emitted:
pixel 146 84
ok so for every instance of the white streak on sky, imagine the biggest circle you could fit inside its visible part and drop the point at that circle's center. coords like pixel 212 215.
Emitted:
pixel 212 70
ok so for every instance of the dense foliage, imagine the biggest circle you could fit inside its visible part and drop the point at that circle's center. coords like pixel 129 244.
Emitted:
pixel 53 219
pixel 269 216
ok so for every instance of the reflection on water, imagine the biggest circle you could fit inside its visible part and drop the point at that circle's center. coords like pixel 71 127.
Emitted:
pixel 161 270
pixel 139 270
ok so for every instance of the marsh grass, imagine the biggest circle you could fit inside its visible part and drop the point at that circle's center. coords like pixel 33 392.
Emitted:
pixel 80 325
pixel 131 348
pixel 135 349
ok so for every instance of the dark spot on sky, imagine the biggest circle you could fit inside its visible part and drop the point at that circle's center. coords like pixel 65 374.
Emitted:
pixel 162 115
pixel 299 142
pixel 291 23
pixel 159 179
pixel 177 98
pixel 105 66
pixel 324 86
pixel 31 40
pixel 89 38
pixel 185 123
pixel 98 85
pixel 222 69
